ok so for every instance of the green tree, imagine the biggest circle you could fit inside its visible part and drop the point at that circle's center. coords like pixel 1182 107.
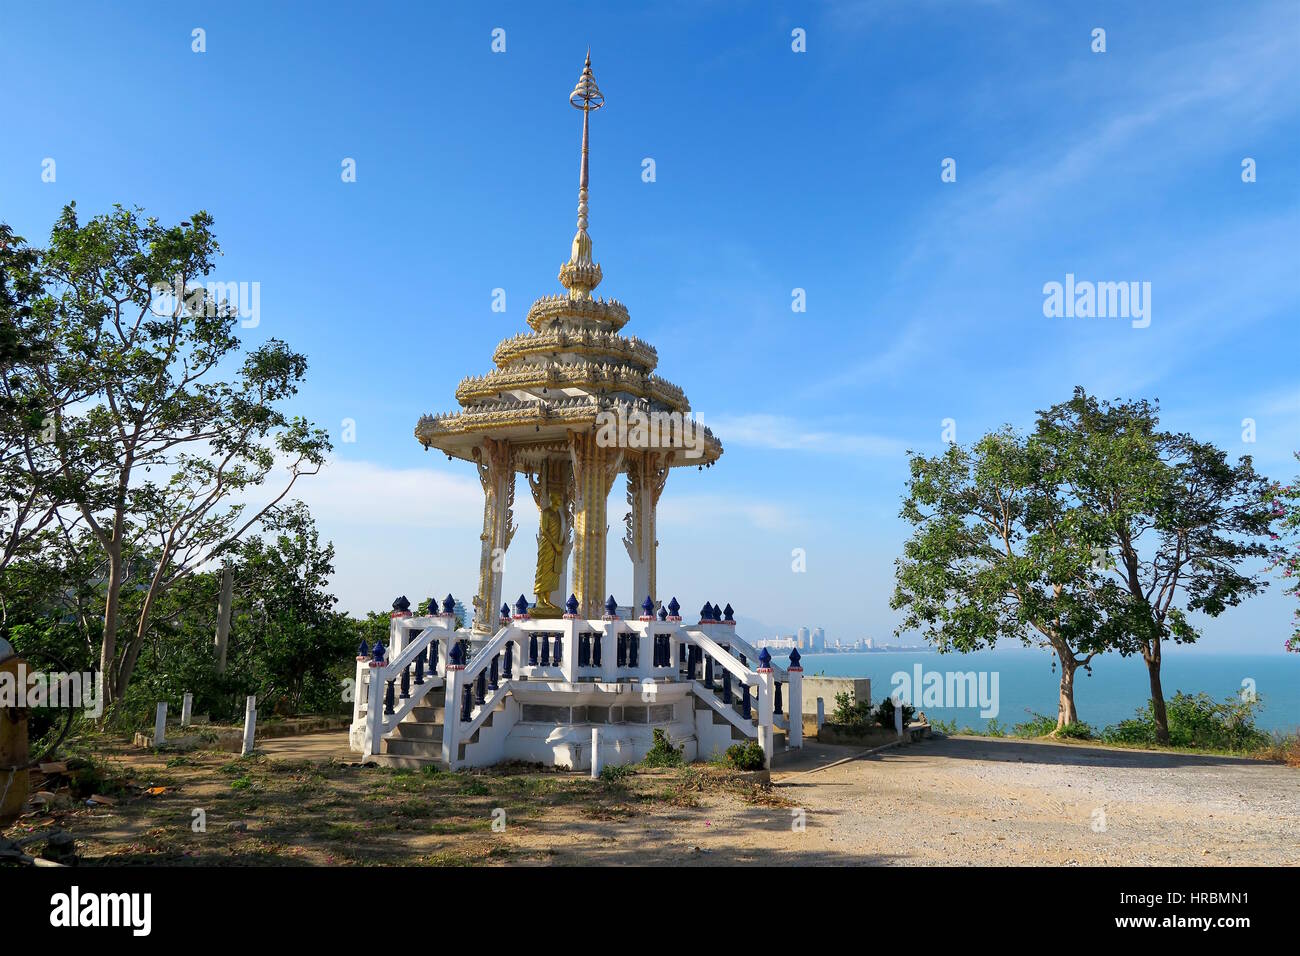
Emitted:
pixel 1183 524
pixel 176 433
pixel 999 552
pixel 1287 563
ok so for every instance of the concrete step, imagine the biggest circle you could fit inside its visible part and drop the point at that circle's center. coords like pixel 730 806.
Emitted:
pixel 408 747
pixel 409 730
pixel 404 762
pixel 427 713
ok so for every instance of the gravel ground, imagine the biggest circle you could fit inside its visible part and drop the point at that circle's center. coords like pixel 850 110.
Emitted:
pixel 967 800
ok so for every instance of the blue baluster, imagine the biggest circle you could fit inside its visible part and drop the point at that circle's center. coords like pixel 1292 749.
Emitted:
pixel 595 649
pixel 708 671
pixel 776 704
pixel 419 669
pixel 510 655
pixel 494 677
pixel 466 704
pixel 544 642
pixel 433 658
pixel 532 648
pixel 388 698
pixel 480 688
pixel 744 702
pixel 633 650
pixel 555 657
pixel 726 686
pixel 584 650
pixel 406 683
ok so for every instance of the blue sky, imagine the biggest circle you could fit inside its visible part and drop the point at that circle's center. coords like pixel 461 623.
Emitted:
pixel 775 170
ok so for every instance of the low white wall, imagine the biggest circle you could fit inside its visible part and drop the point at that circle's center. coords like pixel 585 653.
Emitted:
pixel 827 687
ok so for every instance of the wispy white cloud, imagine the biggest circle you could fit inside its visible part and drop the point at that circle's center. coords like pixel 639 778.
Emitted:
pixel 783 433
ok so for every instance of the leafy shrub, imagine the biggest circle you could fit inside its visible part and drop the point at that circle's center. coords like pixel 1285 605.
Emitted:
pixel 662 753
pixel 612 773
pixel 1075 731
pixel 1197 721
pixel 995 729
pixel 747 756
pixel 885 713
pixel 850 713
pixel 1038 725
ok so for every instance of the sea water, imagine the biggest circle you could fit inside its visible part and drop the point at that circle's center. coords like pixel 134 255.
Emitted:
pixel 1117 688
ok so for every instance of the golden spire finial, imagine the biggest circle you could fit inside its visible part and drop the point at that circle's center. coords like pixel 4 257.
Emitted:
pixel 580 275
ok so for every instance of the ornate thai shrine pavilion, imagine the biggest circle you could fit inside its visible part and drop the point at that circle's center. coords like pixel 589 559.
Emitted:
pixel 569 678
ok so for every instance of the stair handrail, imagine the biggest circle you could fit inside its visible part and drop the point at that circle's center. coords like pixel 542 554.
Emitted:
pixel 379 724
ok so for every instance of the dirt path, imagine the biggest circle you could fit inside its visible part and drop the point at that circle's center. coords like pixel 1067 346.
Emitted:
pixel 949 801
pixel 966 800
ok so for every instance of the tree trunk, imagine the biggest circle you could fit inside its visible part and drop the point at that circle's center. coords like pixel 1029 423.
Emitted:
pixel 108 648
pixel 1158 698
pixel 1066 712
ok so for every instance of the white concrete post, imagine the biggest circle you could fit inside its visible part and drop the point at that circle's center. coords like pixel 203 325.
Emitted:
pixel 187 706
pixel 596 765
pixel 569 654
pixel 821 713
pixel 160 724
pixel 898 717
pixel 250 723
pixel 766 738
pixel 451 715
pixel 794 708
pixel 359 688
pixel 375 712
pixel 609 651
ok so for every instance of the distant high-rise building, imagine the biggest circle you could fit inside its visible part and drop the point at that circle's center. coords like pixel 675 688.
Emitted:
pixel 802 639
pixel 818 640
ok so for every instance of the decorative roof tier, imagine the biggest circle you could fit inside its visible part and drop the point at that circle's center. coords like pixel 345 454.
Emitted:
pixel 564 342
pixel 535 381
pixel 571 368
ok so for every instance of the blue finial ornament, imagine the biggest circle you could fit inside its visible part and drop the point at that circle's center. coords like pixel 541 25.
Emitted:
pixel 611 606
pixel 764 658
pixel 794 657
pixel 648 606
pixel 571 605
pixel 521 606
pixel 663 613
pixel 364 649
pixel 673 607
pixel 706 612
pixel 379 652
pixel 505 609
pixel 449 605
pixel 728 614
pixel 457 655
pixel 402 604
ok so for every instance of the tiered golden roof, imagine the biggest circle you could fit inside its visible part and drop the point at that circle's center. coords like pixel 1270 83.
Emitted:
pixel 573 366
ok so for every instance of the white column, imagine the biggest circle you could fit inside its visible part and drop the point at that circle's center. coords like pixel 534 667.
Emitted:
pixel 451 715
pixel 160 724
pixel 765 736
pixel 569 656
pixel 375 713
pixel 794 708
pixel 596 764
pixel 250 723
pixel 187 705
